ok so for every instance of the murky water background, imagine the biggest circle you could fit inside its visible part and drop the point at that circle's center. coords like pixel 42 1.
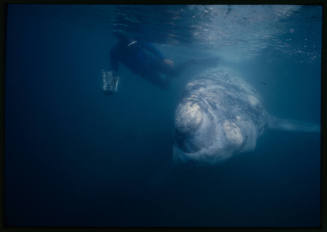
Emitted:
pixel 75 157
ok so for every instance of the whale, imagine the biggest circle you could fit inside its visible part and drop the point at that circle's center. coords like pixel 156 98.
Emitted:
pixel 220 115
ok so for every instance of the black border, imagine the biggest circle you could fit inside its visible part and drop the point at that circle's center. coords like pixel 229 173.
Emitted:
pixel 323 180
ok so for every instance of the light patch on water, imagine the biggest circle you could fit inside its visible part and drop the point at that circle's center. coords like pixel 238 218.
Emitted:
pixel 245 30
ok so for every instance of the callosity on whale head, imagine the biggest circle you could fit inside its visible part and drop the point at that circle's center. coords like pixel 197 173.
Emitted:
pixel 218 116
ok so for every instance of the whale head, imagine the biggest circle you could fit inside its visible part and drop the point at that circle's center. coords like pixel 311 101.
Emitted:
pixel 217 117
pixel 221 115
pixel 200 135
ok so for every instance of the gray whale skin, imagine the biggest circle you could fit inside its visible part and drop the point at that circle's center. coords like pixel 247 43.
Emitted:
pixel 221 115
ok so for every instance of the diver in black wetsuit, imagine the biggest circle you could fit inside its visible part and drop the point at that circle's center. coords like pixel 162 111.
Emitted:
pixel 142 59
pixel 146 61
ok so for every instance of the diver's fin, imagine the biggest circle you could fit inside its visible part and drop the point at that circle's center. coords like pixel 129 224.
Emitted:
pixel 292 125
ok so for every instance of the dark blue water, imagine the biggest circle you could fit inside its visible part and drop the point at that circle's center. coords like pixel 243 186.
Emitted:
pixel 76 157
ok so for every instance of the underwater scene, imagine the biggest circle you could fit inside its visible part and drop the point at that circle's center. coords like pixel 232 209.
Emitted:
pixel 163 115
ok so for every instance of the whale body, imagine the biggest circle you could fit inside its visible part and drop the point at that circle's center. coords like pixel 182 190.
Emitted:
pixel 220 115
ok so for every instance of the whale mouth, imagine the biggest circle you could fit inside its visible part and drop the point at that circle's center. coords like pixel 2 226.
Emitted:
pixel 184 142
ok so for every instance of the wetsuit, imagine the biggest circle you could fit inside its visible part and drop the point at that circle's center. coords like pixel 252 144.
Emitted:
pixel 142 59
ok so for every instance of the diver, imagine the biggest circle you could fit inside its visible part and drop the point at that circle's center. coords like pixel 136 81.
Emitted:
pixel 141 58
